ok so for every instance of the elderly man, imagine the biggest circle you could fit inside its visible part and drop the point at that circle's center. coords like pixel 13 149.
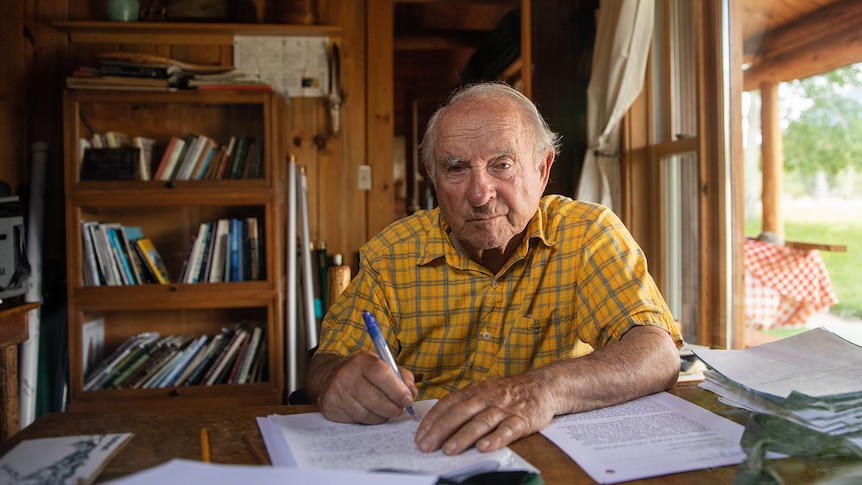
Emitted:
pixel 508 306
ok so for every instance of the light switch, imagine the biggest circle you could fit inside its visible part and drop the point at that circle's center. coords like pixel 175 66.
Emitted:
pixel 364 177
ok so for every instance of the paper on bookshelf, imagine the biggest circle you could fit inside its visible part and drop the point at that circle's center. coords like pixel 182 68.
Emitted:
pixel 65 459
pixel 311 441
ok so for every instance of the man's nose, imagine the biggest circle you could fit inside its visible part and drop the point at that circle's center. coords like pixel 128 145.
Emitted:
pixel 481 189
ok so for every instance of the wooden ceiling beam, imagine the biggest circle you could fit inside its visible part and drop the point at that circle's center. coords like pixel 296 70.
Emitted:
pixel 827 39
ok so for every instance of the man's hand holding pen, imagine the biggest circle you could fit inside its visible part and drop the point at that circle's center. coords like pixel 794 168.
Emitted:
pixel 364 389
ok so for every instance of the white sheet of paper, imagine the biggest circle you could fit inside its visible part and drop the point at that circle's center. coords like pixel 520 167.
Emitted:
pixel 182 472
pixel 655 435
pixel 816 363
pixel 311 441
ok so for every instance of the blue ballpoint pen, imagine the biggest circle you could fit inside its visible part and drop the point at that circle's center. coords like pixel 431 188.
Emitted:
pixel 382 349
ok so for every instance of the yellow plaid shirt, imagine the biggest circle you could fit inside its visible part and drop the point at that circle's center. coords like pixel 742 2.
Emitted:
pixel 577 281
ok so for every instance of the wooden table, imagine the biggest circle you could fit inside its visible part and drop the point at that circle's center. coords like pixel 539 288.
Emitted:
pixel 13 330
pixel 234 438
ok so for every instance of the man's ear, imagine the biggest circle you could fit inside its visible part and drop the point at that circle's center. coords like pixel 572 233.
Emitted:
pixel 545 167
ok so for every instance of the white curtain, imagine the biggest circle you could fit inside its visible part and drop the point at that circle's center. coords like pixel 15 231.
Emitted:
pixel 623 38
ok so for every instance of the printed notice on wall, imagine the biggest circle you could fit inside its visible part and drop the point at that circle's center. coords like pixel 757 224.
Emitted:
pixel 293 66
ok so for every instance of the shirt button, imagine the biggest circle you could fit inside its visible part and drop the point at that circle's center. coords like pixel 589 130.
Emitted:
pixel 494 284
pixel 486 335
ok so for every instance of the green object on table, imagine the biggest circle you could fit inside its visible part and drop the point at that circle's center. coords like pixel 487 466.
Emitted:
pixel 766 432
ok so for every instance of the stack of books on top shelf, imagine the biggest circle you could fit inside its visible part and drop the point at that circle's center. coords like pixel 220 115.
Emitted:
pixel 225 250
pixel 199 157
pixel 135 71
pixel 116 255
pixel 147 361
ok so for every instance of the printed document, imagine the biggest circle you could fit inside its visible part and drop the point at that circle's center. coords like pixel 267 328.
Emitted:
pixel 655 435
pixel 311 441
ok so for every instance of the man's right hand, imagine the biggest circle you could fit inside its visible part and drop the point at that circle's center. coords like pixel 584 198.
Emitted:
pixel 358 389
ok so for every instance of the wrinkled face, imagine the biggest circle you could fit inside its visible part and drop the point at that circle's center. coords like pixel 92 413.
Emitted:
pixel 488 176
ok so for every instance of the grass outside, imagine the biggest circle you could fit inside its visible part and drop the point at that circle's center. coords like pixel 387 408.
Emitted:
pixel 843 268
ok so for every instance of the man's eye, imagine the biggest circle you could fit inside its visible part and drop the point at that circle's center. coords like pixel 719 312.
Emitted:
pixel 455 169
pixel 502 167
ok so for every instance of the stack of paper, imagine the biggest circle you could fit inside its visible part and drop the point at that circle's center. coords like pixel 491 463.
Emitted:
pixel 813 379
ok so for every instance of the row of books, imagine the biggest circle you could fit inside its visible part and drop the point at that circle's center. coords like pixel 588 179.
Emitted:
pixel 237 355
pixel 115 155
pixel 115 255
pixel 199 157
pixel 225 250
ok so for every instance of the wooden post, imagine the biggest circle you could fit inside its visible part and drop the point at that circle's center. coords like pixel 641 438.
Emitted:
pixel 772 153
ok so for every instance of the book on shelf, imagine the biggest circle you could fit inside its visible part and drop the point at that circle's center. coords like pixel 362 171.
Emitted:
pixel 139 266
pixel 117 139
pixel 255 260
pixel 235 246
pixel 204 159
pixel 216 273
pixel 253 162
pixel 224 162
pixel 112 232
pixel 146 146
pixel 116 82
pixel 89 260
pixel 197 251
pixel 107 265
pixel 154 261
pixel 222 364
pixel 250 355
pixel 170 157
pixel 239 156
pixel 236 363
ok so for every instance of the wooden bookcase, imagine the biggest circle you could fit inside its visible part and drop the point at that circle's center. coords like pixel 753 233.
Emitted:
pixel 169 213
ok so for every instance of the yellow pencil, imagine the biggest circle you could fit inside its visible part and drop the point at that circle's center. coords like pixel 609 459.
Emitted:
pixel 205 446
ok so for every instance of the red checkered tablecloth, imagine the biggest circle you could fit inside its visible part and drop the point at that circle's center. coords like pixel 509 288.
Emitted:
pixel 784 286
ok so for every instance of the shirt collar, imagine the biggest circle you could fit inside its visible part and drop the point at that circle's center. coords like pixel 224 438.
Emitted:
pixel 438 244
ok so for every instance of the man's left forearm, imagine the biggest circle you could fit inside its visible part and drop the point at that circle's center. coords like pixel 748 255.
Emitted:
pixel 643 362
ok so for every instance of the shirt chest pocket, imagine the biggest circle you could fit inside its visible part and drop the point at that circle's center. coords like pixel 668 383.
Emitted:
pixel 534 342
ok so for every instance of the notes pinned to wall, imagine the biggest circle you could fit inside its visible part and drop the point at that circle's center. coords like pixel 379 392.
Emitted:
pixel 294 66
